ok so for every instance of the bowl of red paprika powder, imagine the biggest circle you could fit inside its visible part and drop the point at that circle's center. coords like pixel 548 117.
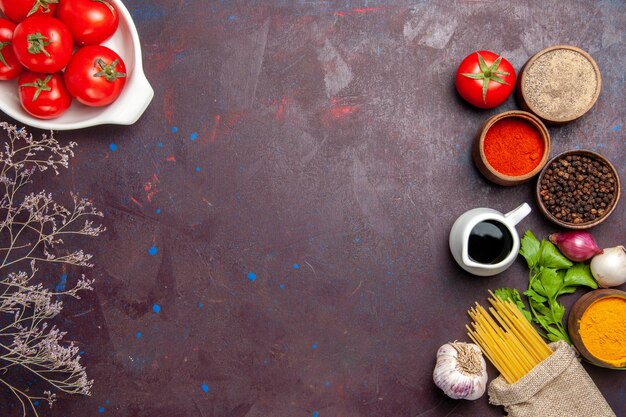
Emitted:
pixel 511 147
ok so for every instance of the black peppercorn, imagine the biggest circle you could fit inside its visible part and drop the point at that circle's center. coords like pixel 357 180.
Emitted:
pixel 577 189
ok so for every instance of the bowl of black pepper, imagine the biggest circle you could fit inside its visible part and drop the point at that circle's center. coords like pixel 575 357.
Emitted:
pixel 578 189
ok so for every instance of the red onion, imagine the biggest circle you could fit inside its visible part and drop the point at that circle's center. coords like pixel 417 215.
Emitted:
pixel 576 245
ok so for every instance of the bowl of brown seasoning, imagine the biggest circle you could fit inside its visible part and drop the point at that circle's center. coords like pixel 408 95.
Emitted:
pixel 578 189
pixel 597 326
pixel 559 84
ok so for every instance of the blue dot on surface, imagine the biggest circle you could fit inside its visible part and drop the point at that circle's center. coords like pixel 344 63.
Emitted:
pixel 101 409
pixel 156 308
pixel 314 345
pixel 194 136
pixel 198 169
pixel 113 147
pixel 153 250
pixel 174 129
pixel 35 403
pixel 158 211
pixel 107 402
pixel 160 144
pixel 205 388
pixel 616 128
pixel 200 305
pixel 251 276
pixel 138 335
pixel 282 286
pixel 316 414
pixel 296 266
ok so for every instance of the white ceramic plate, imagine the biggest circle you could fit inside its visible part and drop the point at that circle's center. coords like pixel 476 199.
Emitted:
pixel 126 110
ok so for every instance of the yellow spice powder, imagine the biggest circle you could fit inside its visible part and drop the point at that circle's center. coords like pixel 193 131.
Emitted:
pixel 602 329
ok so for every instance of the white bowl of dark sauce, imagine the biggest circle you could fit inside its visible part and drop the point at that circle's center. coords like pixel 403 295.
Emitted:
pixel 484 241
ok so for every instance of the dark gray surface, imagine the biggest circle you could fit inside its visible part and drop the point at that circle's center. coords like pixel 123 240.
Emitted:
pixel 328 136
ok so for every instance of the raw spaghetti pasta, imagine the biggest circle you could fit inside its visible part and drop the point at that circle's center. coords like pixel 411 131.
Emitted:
pixel 507 339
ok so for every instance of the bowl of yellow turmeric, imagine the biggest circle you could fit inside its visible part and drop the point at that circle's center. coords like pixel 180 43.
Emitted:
pixel 597 327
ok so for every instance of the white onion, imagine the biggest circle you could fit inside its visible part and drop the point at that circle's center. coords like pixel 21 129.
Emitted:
pixel 609 268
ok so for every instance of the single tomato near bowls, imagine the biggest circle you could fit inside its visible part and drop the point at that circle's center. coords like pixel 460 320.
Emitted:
pixel 485 79
pixel 90 21
pixel 10 67
pixel 18 10
pixel 43 95
pixel 43 44
pixel 95 75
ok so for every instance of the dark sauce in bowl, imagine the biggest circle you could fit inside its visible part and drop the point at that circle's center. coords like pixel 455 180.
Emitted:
pixel 490 242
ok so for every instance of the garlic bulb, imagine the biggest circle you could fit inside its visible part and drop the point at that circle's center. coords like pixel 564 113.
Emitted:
pixel 461 371
pixel 609 268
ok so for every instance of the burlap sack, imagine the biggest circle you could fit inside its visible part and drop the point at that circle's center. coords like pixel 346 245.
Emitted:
pixel 557 387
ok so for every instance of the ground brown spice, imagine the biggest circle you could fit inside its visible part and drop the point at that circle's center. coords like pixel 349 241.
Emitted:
pixel 560 85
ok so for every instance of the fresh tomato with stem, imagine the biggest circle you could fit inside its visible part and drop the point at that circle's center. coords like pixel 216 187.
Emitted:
pixel 10 67
pixel 485 79
pixel 18 10
pixel 95 75
pixel 90 21
pixel 43 95
pixel 43 44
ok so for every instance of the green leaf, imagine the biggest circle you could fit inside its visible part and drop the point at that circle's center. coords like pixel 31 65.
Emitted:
pixel 552 281
pixel 537 286
pixel 558 310
pixel 567 290
pixel 551 257
pixel 534 296
pixel 580 274
pixel 557 334
pixel 505 293
pixel 555 338
pixel 543 310
pixel 544 321
pixel 513 295
pixel 529 249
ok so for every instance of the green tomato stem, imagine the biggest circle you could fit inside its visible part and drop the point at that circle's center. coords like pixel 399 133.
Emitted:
pixel 44 4
pixel 40 85
pixel 2 59
pixel 108 71
pixel 37 44
pixel 487 73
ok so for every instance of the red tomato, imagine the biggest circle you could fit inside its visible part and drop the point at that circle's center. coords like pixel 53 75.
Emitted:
pixel 90 21
pixel 485 79
pixel 95 75
pixel 10 67
pixel 43 95
pixel 43 44
pixel 18 10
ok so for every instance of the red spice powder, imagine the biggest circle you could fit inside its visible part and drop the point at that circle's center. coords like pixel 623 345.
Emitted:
pixel 513 146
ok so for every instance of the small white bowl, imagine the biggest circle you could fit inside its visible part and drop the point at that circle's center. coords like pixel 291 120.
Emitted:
pixel 126 110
